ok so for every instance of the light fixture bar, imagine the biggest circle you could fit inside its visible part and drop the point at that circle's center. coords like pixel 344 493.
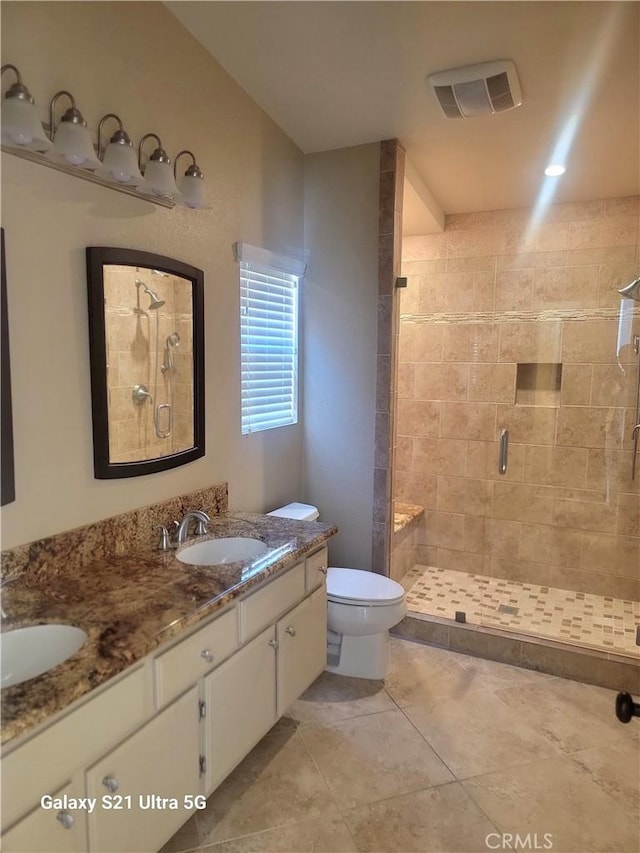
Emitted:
pixel 85 175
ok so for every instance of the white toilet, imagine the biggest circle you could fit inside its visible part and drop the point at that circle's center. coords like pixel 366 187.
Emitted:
pixel 361 607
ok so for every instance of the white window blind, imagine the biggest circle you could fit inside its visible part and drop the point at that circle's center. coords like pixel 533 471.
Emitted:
pixel 269 345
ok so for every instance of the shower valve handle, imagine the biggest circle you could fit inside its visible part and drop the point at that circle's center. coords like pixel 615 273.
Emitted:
pixel 140 394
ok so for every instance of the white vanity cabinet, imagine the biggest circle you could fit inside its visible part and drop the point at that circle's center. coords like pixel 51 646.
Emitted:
pixel 171 728
pixel 145 788
pixel 44 764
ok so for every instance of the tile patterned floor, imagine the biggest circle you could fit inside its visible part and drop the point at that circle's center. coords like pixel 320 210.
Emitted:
pixel 578 618
pixel 449 754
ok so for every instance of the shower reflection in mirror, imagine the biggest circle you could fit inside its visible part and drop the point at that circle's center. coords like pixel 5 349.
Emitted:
pixel 148 325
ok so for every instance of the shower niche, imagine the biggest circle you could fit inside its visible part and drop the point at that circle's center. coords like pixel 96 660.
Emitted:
pixel 146 337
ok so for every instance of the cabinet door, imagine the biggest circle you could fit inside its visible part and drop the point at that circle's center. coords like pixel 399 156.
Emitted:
pixel 302 648
pixel 53 830
pixel 145 781
pixel 240 706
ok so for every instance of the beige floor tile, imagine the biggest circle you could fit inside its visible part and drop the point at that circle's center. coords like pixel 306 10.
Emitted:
pixel 479 716
pixel 326 835
pixel 276 784
pixel 616 769
pixel 557 797
pixel 332 698
pixel 438 820
pixel 567 714
pixel 479 735
pixel 370 758
pixel 419 674
pixel 187 838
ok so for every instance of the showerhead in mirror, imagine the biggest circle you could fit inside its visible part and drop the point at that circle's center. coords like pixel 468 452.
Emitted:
pixel 631 291
pixel 156 302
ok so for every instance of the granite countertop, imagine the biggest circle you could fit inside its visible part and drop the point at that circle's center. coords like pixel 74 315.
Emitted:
pixel 130 605
pixel 404 514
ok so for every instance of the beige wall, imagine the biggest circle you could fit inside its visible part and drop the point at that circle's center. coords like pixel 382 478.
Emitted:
pixel 137 60
pixel 340 340
pixel 485 295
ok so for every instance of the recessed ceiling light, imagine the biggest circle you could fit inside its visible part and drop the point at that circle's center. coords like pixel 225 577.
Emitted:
pixel 554 170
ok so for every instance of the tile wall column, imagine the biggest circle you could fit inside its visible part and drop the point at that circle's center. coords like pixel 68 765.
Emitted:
pixel 389 258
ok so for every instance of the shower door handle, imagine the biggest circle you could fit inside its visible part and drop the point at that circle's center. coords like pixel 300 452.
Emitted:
pixel 634 436
pixel 504 452
pixel 164 433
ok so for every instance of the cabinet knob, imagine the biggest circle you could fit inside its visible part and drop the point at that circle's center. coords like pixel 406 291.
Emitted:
pixel 207 655
pixel 111 784
pixel 274 643
pixel 291 631
pixel 322 569
pixel 66 819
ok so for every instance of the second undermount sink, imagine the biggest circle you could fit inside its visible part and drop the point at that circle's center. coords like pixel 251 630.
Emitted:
pixel 28 652
pixel 217 552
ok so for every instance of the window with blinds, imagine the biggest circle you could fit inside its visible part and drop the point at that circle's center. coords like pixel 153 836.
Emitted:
pixel 269 346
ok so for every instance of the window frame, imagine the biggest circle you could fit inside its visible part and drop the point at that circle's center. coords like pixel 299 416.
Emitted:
pixel 272 282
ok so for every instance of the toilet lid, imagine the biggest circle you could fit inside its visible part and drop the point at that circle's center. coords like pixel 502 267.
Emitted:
pixel 355 586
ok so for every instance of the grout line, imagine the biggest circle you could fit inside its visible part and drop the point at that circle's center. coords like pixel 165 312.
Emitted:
pixel 432 748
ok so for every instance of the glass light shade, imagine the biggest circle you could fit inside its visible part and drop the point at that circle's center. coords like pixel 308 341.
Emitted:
pixel 192 190
pixel 159 179
pixel 121 165
pixel 21 126
pixel 72 143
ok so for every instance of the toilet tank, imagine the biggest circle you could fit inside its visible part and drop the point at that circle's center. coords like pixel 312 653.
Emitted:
pixel 297 511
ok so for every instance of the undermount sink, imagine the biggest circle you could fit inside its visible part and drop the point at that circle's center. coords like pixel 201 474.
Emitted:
pixel 217 552
pixel 28 652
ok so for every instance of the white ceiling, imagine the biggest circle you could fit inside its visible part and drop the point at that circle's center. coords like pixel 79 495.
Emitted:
pixel 335 74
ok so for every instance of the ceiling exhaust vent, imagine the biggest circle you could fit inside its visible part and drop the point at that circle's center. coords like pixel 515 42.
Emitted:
pixel 478 90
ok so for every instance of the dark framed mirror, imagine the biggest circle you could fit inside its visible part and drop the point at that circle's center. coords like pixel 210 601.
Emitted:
pixel 7 479
pixel 146 337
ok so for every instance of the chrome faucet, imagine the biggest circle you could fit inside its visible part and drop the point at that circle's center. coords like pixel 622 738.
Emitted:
pixel 197 515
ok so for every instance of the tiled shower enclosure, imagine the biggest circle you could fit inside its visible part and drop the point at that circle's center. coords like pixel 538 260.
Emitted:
pixel 512 323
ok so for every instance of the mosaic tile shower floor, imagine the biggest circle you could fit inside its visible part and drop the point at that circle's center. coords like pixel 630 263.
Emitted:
pixel 577 618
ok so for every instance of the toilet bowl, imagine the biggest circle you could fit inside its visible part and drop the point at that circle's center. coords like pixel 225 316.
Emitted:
pixel 361 607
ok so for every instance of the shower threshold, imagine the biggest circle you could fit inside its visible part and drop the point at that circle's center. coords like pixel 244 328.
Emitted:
pixel 572 634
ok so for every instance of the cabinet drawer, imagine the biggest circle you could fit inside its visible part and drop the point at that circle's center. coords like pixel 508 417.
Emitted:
pixel 42 832
pixel 264 606
pixel 181 666
pixel 44 762
pixel 316 569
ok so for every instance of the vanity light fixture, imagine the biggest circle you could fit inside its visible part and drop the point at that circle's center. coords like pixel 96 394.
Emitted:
pixel 158 173
pixel 67 145
pixel 192 185
pixel 119 162
pixel 21 126
pixel 71 138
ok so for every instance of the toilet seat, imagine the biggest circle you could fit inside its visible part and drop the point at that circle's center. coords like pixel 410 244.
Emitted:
pixel 358 587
